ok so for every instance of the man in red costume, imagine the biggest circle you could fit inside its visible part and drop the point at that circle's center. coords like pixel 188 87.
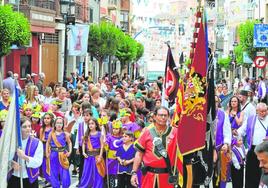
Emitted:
pixel 156 169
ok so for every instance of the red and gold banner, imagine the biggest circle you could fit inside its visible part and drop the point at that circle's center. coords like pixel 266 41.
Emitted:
pixel 192 98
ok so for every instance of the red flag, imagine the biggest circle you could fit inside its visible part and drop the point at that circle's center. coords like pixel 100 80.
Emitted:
pixel 192 125
pixel 171 77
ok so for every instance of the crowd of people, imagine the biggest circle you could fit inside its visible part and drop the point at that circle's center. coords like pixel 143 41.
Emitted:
pixel 107 133
pixel 241 126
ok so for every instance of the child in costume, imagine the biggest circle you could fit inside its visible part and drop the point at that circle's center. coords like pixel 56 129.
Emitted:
pixel 36 125
pixel 28 110
pixel 128 124
pixel 113 142
pixel 3 116
pixel 94 166
pixel 125 155
pixel 47 124
pixel 58 152
pixel 82 129
pixel 31 155
pixel 55 106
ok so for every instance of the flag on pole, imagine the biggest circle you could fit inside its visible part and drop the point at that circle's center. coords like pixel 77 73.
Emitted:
pixel 11 138
pixel 171 77
pixel 192 124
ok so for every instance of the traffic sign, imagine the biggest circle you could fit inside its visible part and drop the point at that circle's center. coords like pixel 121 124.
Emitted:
pixel 260 62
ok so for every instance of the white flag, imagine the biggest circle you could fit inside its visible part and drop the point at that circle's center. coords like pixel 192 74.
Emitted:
pixel 8 142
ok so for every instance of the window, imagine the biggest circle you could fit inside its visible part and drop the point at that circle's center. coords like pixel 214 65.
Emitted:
pixel 124 16
pixel 91 15
pixel 25 65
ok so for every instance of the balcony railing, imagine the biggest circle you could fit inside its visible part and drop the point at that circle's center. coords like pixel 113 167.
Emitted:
pixel 112 4
pixel 47 4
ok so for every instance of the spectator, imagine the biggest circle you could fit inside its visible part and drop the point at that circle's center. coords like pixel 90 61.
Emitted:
pixel 28 79
pixel 40 83
pixel 9 82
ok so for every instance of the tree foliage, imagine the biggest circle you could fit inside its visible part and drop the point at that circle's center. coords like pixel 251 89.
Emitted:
pixel 106 40
pixel 140 51
pixel 127 50
pixel 238 51
pixel 14 29
pixel 103 41
pixel 224 62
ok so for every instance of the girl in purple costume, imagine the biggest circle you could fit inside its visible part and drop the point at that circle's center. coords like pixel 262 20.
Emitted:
pixel 46 128
pixel 92 150
pixel 113 142
pixel 236 120
pixel 59 174
pixel 125 155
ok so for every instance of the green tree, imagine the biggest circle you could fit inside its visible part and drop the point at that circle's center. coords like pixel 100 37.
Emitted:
pixel 238 51
pixel 246 34
pixel 14 29
pixel 224 62
pixel 140 51
pixel 103 41
pixel 126 51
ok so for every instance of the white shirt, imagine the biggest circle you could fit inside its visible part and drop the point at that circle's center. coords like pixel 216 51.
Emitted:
pixel 76 124
pixel 227 131
pixel 48 100
pixel 259 131
pixel 249 110
pixel 34 162
pixel 76 145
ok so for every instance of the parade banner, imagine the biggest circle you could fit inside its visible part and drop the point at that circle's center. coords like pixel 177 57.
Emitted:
pixel 78 40
pixel 10 139
pixel 193 118
pixel 171 77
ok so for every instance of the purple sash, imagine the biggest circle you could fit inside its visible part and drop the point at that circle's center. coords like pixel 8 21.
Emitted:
pixel 31 147
pixel 80 133
pixel 250 129
pixel 219 130
pixel 259 90
pixel 238 155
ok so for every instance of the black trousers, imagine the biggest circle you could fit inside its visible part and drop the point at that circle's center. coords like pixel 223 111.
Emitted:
pixel 124 181
pixel 81 164
pixel 237 176
pixel 14 182
pixel 253 172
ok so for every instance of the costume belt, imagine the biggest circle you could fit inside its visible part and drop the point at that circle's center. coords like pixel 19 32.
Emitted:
pixel 58 149
pixel 156 170
pixel 94 152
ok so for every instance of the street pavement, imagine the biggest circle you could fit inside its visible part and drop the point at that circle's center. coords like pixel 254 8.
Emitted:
pixel 74 182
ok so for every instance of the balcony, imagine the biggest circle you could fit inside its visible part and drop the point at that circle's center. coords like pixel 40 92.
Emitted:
pixel 112 4
pixel 46 4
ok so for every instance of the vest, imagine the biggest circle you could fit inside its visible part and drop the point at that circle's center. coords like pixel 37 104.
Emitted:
pixel 31 147
pixel 250 129
pixel 219 129
pixel 80 133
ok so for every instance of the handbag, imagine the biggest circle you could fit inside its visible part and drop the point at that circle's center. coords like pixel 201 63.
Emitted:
pixel 199 171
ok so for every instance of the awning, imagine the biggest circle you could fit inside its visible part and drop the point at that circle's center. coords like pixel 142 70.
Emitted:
pixel 39 29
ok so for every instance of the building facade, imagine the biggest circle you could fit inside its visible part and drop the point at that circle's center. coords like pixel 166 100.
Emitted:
pixel 46 50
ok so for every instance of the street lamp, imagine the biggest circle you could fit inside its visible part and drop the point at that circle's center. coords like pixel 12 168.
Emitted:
pixel 67 9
